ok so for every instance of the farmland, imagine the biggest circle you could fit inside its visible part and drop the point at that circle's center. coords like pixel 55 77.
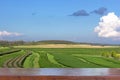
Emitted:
pixel 27 57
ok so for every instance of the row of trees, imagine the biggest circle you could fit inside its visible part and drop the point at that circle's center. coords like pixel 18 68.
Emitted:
pixel 111 54
pixel 11 43
pixel 16 43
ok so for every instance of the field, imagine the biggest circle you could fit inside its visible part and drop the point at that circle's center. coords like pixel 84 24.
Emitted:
pixel 60 57
pixel 64 46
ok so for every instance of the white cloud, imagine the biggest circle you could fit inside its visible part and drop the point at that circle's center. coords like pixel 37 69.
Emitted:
pixel 6 33
pixel 109 26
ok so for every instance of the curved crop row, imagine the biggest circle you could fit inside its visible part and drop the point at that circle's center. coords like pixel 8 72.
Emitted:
pixel 36 61
pixel 5 65
pixel 3 49
pixel 17 61
pixel 71 61
pixel 22 59
pixel 44 61
pixel 100 61
pixel 5 58
pixel 9 63
pixel 28 62
pixel 52 60
pixel 32 61
pixel 39 59
pixel 10 51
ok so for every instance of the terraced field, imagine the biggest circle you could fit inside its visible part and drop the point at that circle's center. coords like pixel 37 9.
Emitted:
pixel 58 58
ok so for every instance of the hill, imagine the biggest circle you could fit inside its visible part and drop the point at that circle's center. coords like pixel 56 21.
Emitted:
pixel 16 43
pixel 55 42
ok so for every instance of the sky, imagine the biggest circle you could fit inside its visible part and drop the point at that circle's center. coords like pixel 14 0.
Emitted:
pixel 95 21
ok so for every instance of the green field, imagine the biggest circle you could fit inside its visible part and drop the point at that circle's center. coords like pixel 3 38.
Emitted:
pixel 59 57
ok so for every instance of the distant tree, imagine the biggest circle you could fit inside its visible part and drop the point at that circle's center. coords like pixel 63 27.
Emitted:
pixel 106 54
pixel 113 54
pixel 117 56
pixel 11 43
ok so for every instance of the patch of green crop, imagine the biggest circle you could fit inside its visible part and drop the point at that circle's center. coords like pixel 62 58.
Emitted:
pixel 44 62
pixel 6 57
pixel 28 63
pixel 101 61
pixel 64 57
pixel 36 60
pixel 32 61
pixel 3 49
pixel 71 61
pixel 52 60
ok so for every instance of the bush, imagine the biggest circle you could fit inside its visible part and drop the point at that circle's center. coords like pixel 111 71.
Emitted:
pixel 106 54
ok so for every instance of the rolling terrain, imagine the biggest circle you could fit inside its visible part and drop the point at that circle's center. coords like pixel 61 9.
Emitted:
pixel 58 58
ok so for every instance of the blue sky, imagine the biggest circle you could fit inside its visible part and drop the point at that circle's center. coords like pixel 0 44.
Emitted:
pixel 73 20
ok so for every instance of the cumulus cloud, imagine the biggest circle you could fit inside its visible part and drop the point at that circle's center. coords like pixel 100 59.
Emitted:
pixel 6 33
pixel 109 26
pixel 80 13
pixel 100 11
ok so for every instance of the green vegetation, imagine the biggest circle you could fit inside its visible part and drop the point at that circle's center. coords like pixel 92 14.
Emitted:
pixel 44 62
pixel 60 57
pixel 10 51
pixel 113 54
pixel 105 62
pixel 51 58
pixel 32 61
pixel 9 60
pixel 71 61
pixel 20 42
pixel 55 42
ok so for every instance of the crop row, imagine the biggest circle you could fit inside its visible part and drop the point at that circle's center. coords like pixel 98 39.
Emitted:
pixel 105 62
pixel 10 51
pixel 44 61
pixel 71 61
pixel 40 59
pixel 17 61
pixel 57 58
pixel 6 57
pixel 51 58
pixel 32 61
pixel 3 49
pixel 85 51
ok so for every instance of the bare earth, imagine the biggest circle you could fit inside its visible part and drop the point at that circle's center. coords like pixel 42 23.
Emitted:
pixel 64 46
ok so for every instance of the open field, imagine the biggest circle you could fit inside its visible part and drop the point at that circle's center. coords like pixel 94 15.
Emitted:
pixel 64 46
pixel 60 57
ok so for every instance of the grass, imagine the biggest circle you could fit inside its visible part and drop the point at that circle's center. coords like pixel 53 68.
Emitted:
pixel 51 58
pixel 60 58
pixel 3 49
pixel 44 62
pixel 29 62
pixel 105 62
pixel 71 61
pixel 5 58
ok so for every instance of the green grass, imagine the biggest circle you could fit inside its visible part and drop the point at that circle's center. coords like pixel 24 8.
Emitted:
pixel 39 60
pixel 44 62
pixel 71 61
pixel 29 62
pixel 51 58
pixel 5 58
pixel 36 61
pixel 61 58
pixel 89 51
pixel 105 62
pixel 3 49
